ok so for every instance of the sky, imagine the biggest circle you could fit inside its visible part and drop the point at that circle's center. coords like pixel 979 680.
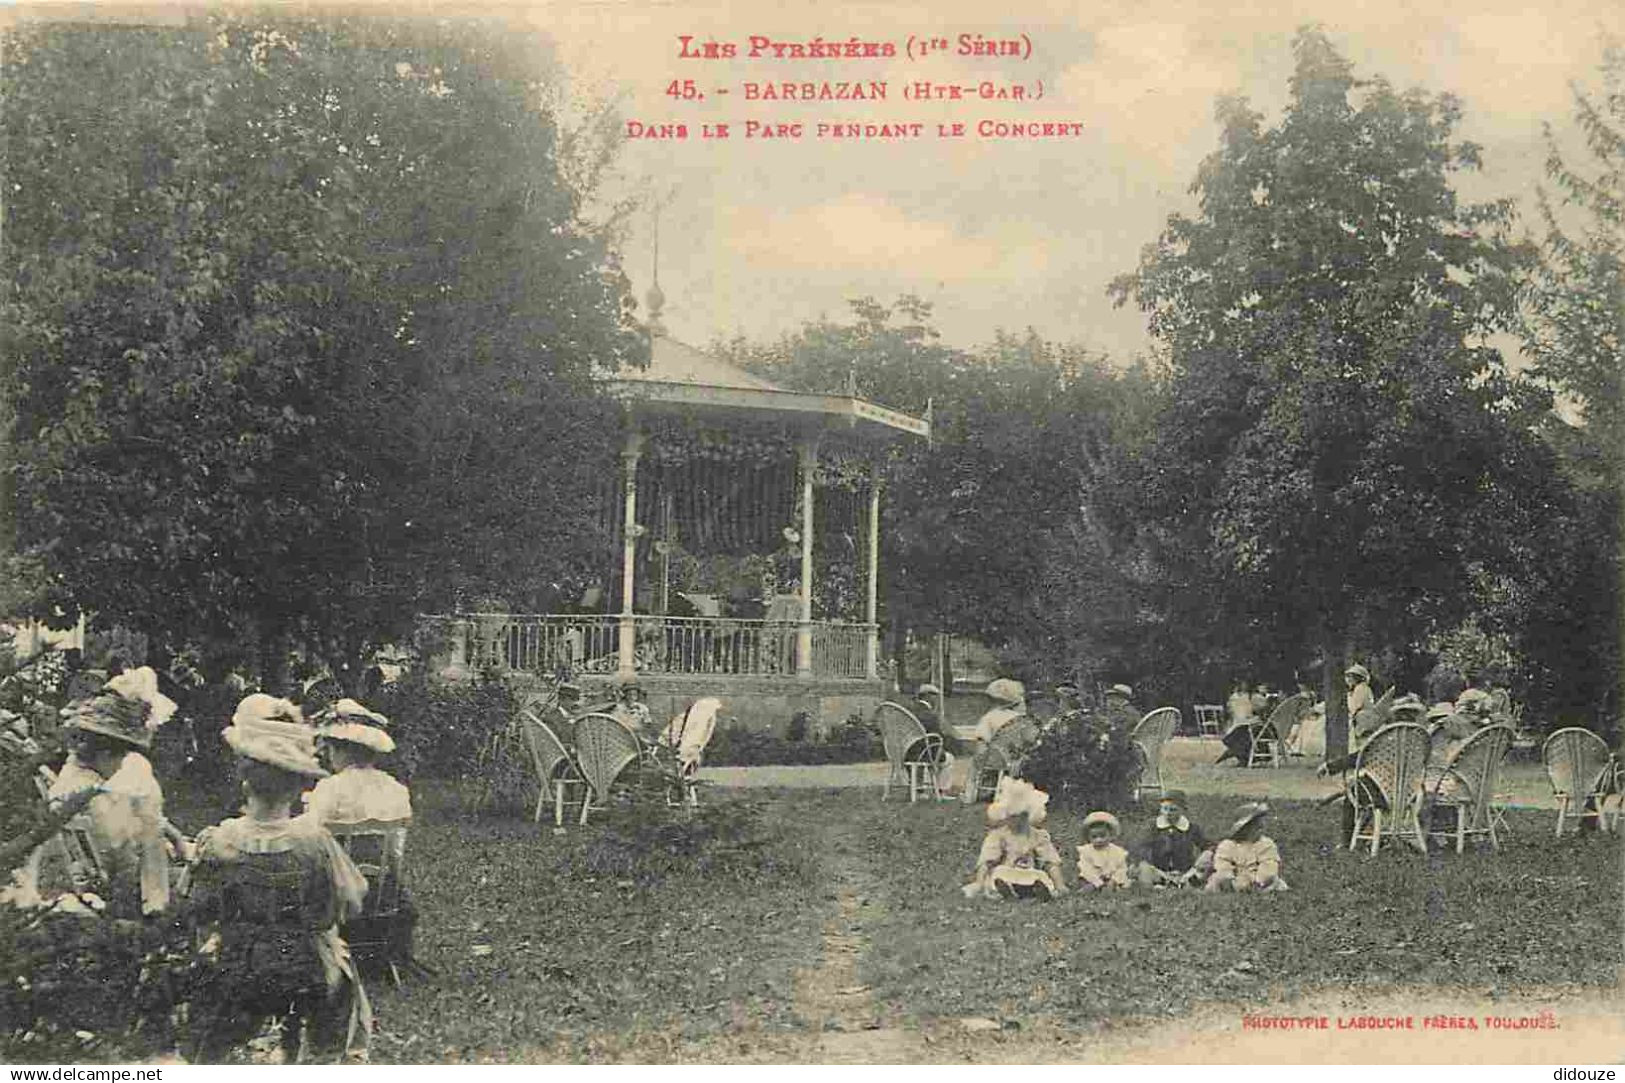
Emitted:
pixel 759 235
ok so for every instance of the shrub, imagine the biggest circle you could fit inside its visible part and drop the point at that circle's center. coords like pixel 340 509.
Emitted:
pixel 444 729
pixel 646 842
pixel 1084 761
pixel 854 741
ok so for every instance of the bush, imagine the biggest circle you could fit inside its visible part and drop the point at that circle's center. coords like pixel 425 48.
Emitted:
pixel 442 729
pixel 854 741
pixel 81 988
pixel 647 842
pixel 1084 761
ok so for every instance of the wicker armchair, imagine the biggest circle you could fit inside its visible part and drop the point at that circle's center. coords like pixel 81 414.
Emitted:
pixel 556 770
pixel 1149 735
pixel 914 757
pixel 604 748
pixel 1582 772
pixel 1269 736
pixel 1385 788
pixel 1467 783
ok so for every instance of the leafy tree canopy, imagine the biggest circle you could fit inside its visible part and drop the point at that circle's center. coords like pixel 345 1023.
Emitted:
pixel 300 324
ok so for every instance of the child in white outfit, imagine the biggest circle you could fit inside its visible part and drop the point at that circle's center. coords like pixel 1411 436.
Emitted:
pixel 1101 862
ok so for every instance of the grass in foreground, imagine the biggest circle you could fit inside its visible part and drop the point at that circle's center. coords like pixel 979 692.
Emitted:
pixel 1541 912
pixel 585 946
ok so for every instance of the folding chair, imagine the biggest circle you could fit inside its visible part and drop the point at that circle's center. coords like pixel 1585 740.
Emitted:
pixel 1392 762
pixel 381 935
pixel 914 757
pixel 1210 719
pixel 605 747
pixel 1581 769
pixel 1149 736
pixel 556 770
pixel 1466 783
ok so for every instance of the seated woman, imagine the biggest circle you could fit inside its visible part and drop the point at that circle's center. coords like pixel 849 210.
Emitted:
pixel 1243 724
pixel 1003 731
pixel 632 711
pixel 688 733
pixel 353 740
pixel 1407 708
pixel 109 733
pixel 1017 859
pixel 270 890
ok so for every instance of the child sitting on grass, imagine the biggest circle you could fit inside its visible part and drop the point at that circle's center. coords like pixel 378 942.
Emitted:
pixel 1177 854
pixel 1017 859
pixel 1102 863
pixel 1248 859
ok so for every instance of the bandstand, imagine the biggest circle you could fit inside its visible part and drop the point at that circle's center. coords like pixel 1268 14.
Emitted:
pixel 721 469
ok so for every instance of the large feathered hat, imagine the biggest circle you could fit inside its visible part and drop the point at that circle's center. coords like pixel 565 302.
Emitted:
pixel 272 731
pixel 129 708
pixel 349 721
pixel 1015 796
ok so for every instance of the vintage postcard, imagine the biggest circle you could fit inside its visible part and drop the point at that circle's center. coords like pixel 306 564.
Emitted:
pixel 857 532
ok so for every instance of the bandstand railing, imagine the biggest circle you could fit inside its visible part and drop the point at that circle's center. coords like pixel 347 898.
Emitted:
pixel 590 643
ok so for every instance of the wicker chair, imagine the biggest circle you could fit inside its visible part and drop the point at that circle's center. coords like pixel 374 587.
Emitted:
pixel 1149 735
pixel 1582 772
pixel 1393 761
pixel 1269 736
pixel 381 935
pixel 1209 719
pixel 914 757
pixel 605 747
pixel 556 770
pixel 1466 783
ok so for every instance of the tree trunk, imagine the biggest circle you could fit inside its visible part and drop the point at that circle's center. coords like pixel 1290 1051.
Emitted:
pixel 1336 655
pixel 899 645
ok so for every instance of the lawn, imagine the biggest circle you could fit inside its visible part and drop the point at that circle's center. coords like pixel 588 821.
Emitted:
pixel 573 947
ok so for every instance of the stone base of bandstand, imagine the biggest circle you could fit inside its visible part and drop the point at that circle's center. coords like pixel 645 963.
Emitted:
pixel 759 704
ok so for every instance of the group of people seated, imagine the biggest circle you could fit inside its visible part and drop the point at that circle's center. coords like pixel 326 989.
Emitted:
pixel 1018 858
pixel 1008 728
pixel 267 891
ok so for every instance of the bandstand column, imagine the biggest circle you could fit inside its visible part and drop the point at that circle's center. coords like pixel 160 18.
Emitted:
pixel 627 660
pixel 804 636
pixel 871 612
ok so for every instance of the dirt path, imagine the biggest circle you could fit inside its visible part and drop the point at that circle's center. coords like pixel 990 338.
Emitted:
pixel 844 1025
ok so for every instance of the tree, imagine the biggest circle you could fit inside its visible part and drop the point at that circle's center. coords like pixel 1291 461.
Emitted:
pixel 1567 622
pixel 301 325
pixel 1341 462
pixel 972 524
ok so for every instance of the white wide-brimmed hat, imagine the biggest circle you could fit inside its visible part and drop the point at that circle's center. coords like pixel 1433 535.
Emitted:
pixel 1120 690
pixel 1006 690
pixel 1357 670
pixel 928 689
pixel 271 731
pixel 1407 702
pixel 347 720
pixel 1015 796
pixel 1106 818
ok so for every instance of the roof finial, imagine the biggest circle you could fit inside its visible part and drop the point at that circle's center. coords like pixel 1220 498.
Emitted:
pixel 656 299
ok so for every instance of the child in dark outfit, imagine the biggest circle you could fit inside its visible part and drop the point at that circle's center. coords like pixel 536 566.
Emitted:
pixel 1176 854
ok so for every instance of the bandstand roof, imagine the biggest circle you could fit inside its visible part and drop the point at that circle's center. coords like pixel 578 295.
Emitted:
pixel 682 379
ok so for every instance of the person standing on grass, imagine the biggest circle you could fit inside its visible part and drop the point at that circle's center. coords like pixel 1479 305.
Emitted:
pixel 1102 864
pixel 1176 853
pixel 1247 860
pixel 1018 860
pixel 270 890
pixel 1357 680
